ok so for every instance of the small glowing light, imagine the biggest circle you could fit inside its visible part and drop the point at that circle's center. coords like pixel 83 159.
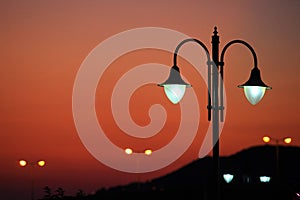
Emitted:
pixel 264 179
pixel 41 163
pixel 148 152
pixel 228 177
pixel 174 92
pixel 266 139
pixel 254 93
pixel 128 151
pixel 22 163
pixel 287 140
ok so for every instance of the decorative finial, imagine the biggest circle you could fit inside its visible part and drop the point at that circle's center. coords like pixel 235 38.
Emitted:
pixel 215 30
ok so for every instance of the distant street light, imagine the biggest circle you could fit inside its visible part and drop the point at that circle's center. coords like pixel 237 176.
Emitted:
pixel 286 140
pixel 41 163
pixel 24 163
pixel 130 151
pixel 266 139
pixel 228 177
pixel 264 179
pixel 148 152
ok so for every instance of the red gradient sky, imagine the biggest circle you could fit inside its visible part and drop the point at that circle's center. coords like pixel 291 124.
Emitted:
pixel 43 44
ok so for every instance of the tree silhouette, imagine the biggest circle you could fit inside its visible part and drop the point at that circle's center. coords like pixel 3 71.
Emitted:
pixel 48 193
pixel 80 194
pixel 60 193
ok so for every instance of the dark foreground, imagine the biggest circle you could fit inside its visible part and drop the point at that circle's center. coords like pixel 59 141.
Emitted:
pixel 194 181
pixel 262 191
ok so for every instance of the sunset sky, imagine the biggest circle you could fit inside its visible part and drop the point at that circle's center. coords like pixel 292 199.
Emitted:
pixel 45 43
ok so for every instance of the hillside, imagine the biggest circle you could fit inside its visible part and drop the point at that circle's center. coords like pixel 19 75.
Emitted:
pixel 193 181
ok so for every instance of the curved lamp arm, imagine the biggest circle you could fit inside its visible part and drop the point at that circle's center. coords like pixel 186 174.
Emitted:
pixel 209 63
pixel 222 68
pixel 254 88
pixel 190 40
pixel 240 42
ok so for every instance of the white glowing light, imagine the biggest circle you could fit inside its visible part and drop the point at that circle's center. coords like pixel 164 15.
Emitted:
pixel 22 163
pixel 264 179
pixel 254 93
pixel 228 177
pixel 174 92
pixel 128 151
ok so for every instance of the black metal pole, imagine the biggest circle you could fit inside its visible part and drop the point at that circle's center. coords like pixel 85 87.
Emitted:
pixel 215 71
pixel 31 165
pixel 215 95
pixel 215 101
pixel 277 162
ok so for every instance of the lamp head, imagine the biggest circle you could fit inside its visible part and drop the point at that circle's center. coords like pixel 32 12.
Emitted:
pixel 174 86
pixel 22 163
pixel 148 152
pixel 41 163
pixel 266 139
pixel 228 177
pixel 128 151
pixel 264 179
pixel 287 140
pixel 254 88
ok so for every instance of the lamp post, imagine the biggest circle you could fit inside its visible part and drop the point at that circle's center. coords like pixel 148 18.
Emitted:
pixel 39 163
pixel 254 90
pixel 286 140
pixel 147 152
pixel 130 151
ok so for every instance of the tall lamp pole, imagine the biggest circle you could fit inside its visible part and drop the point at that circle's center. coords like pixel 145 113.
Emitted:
pixel 286 140
pixel 254 90
pixel 24 163
pixel 130 151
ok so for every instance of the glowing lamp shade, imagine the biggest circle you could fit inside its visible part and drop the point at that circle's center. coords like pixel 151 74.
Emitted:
pixel 266 139
pixel 148 152
pixel 264 179
pixel 287 140
pixel 174 92
pixel 22 163
pixel 174 86
pixel 254 93
pixel 254 88
pixel 41 163
pixel 128 151
pixel 228 177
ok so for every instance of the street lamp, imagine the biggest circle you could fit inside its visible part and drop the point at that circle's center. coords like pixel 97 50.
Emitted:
pixel 228 177
pixel 175 86
pixel 148 152
pixel 39 163
pixel 286 140
pixel 264 179
pixel 24 163
pixel 130 151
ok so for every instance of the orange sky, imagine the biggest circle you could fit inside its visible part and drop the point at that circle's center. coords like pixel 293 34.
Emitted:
pixel 43 44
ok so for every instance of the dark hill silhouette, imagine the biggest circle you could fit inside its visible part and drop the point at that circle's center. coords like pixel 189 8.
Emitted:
pixel 193 181
pixel 252 162
pixel 261 160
